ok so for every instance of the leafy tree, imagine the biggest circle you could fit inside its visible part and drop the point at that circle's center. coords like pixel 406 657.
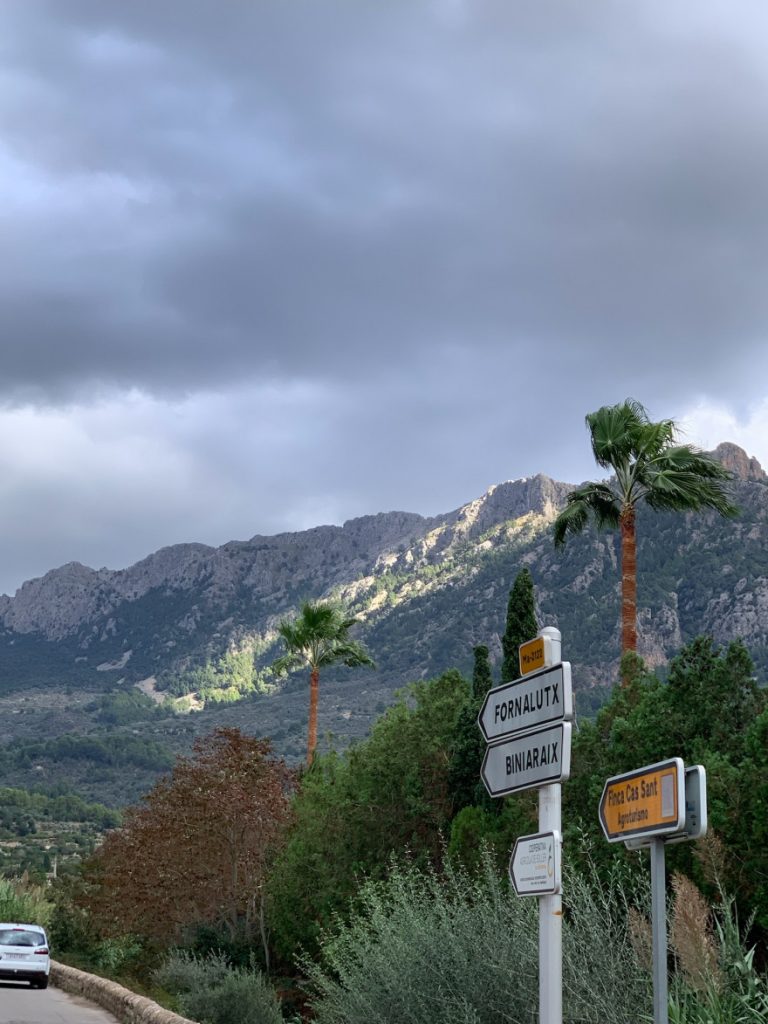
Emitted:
pixel 649 466
pixel 710 712
pixel 318 637
pixel 521 624
pixel 198 849
pixel 387 794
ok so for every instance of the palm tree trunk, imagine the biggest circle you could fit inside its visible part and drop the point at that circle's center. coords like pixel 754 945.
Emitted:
pixel 314 692
pixel 628 580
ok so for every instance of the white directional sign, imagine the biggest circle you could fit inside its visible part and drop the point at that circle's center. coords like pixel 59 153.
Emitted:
pixel 528 761
pixel 534 868
pixel 527 703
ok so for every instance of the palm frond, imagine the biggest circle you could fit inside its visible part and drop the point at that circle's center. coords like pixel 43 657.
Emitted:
pixel 683 479
pixel 615 431
pixel 593 500
pixel 348 652
pixel 653 439
pixel 319 636
pixel 288 663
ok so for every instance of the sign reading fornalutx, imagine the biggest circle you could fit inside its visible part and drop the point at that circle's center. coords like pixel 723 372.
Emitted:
pixel 527 703
pixel 647 802
pixel 534 867
pixel 528 761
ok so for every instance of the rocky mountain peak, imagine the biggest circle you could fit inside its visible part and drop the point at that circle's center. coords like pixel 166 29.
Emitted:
pixel 738 462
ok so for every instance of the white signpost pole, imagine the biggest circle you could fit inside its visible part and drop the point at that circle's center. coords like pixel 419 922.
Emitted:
pixel 551 906
pixel 659 932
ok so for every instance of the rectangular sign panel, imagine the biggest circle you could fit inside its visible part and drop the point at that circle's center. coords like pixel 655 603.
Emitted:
pixel 534 867
pixel 696 819
pixel 647 802
pixel 528 761
pixel 535 654
pixel 527 703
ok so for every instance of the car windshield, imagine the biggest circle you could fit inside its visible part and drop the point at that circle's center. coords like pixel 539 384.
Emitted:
pixel 20 937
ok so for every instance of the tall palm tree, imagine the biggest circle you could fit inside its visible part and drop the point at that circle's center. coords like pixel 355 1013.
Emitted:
pixel 317 637
pixel 649 465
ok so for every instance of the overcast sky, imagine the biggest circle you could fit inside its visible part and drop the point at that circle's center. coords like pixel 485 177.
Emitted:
pixel 270 263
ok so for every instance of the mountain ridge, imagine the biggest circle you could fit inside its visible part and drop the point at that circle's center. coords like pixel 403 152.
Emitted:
pixel 426 589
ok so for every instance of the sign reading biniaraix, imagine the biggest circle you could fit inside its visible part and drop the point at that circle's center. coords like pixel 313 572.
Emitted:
pixel 528 761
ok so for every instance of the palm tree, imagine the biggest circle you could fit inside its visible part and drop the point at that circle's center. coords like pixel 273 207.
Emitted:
pixel 318 637
pixel 650 466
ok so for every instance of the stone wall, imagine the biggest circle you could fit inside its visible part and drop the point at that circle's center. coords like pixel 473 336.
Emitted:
pixel 120 1002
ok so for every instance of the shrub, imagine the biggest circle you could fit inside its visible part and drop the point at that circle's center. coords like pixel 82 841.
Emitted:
pixel 716 980
pixel 243 997
pixel 20 901
pixel 209 990
pixel 185 972
pixel 421 949
pixel 462 948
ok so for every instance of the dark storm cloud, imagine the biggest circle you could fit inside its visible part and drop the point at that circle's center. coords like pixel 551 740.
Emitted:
pixel 319 258
pixel 269 189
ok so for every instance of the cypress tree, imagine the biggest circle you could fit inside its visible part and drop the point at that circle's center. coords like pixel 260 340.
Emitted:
pixel 469 747
pixel 521 624
pixel 482 680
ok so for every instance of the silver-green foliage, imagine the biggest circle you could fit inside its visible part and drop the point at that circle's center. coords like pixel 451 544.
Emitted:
pixel 243 997
pixel 603 980
pixel 210 991
pixel 423 949
pixel 184 972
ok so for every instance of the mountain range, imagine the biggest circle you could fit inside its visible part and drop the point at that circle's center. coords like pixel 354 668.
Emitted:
pixel 426 590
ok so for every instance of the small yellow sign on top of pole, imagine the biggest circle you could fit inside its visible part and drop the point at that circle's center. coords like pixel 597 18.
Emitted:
pixel 534 655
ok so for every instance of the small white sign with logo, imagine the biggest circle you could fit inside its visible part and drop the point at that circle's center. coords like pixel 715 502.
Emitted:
pixel 534 868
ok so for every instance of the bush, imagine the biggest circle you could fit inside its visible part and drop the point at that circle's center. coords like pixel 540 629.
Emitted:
pixel 209 990
pixel 716 980
pixel 20 901
pixel 243 997
pixel 185 972
pixel 462 948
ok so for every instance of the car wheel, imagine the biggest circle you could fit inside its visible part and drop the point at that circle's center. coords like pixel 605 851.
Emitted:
pixel 40 982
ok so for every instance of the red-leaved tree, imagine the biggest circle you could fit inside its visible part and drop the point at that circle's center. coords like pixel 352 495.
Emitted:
pixel 197 851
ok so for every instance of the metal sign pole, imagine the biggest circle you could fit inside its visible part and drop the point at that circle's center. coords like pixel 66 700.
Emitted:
pixel 550 921
pixel 551 907
pixel 659 929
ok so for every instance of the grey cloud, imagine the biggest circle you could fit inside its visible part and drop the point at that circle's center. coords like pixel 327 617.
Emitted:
pixel 323 187
pixel 463 224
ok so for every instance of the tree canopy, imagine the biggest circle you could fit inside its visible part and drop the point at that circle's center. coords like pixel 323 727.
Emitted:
pixel 648 465
pixel 198 849
pixel 318 637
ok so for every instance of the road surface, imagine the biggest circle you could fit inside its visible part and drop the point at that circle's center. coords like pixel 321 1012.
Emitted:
pixel 20 1004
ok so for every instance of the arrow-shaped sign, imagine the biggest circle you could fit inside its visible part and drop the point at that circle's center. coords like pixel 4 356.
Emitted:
pixel 527 703
pixel 529 761
pixel 648 802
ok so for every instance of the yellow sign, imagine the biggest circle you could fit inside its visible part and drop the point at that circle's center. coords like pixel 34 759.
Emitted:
pixel 533 655
pixel 649 801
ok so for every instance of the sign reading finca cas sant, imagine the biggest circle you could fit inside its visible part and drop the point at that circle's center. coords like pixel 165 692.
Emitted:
pixel 647 802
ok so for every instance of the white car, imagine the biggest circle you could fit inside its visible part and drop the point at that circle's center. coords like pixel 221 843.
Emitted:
pixel 24 954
